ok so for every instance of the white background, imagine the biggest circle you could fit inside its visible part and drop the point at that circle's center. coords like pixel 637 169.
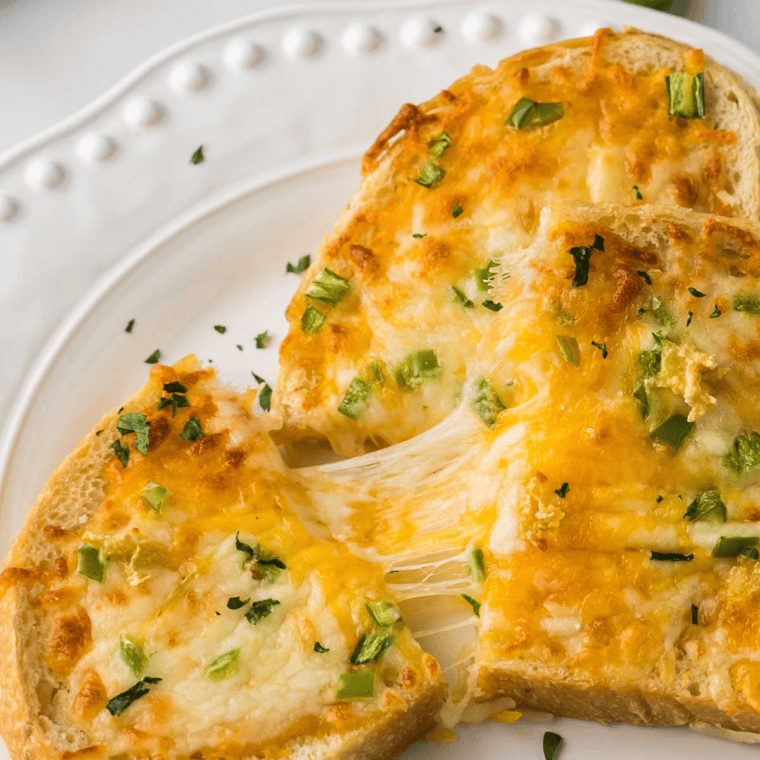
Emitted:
pixel 58 55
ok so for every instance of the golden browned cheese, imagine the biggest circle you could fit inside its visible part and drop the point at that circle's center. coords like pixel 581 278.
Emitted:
pixel 414 254
pixel 191 535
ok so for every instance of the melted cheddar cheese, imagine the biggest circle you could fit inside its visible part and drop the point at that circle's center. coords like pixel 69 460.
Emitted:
pixel 411 252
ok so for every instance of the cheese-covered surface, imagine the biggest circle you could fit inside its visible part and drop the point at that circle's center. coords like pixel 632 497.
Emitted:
pixel 179 583
pixel 413 256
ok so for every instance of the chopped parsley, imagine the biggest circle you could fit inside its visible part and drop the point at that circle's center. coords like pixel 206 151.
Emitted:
pixel 262 339
pixel 461 297
pixel 129 326
pixel 644 276
pixel 319 648
pixel 686 95
pixel 486 402
pixel 221 329
pixel 430 174
pixel 707 506
pixel 662 315
pixel 235 602
pixel 238 347
pixel 312 320
pixel 716 312
pixel 328 287
pixel 177 400
pixel 694 614
pixel 744 454
pixel 639 196
pixel 154 358
pixel 552 743
pixel 562 490
pixel 192 430
pixel 419 235
pixel 734 546
pixel 457 211
pixel 474 603
pixel 476 566
pixel 748 304
pixel 602 347
pixel 260 610
pixel 688 321
pixel 528 113
pixel 651 362
pixel 670 557
pixel 121 451
pixel 493 306
pixel 582 257
pixel 642 399
pixel 673 431
pixel 300 266
pixel 118 704
pixel 355 400
pixel 696 293
pixel 371 647
pixel 198 157
pixel 137 423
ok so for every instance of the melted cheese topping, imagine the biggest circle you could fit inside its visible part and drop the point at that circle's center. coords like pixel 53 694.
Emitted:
pixel 171 574
pixel 403 249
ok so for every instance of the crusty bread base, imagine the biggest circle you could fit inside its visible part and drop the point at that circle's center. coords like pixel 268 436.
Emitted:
pixel 605 704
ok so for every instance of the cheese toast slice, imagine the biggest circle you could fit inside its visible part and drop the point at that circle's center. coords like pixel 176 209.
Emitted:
pixel 595 494
pixel 395 303
pixel 169 596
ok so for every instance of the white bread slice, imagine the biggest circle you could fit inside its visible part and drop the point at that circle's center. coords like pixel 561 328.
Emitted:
pixel 165 586
pixel 409 254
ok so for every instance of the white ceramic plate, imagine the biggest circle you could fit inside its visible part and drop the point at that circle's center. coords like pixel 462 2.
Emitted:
pixel 104 219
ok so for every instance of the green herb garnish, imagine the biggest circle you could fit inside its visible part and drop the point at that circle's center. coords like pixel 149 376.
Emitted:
pixel 430 174
pixel 133 655
pixel 686 95
pixel 262 339
pixel 359 685
pixel 486 402
pixel 319 648
pixel 644 276
pixel 582 257
pixel 260 610
pixel 552 743
pixel 694 614
pixel 733 546
pixel 688 321
pixel 662 315
pixel 474 603
pixel 716 312
pixel 155 495
pixel 371 647
pixel 355 400
pixel 221 329
pixel 673 431
pixel 416 368
pixel 224 666
pixel 640 394
pixel 419 235
pixel 476 565
pixel 121 451
pixel 176 400
pixel 312 320
pixel 90 565
pixel 328 287
pixel 639 196
pixel 457 211
pixel 602 347
pixel 568 347
pixel 137 423
pixel 696 293
pixel 651 362
pixel 670 557
pixel 493 306
pixel 528 113
pixel 562 490
pixel 129 326
pixel 748 304
pixel 154 357
pixel 198 157
pixel 118 704
pixel 744 454
pixel 707 505
pixel 192 430
pixel 235 602
pixel 301 266
pixel 461 297
pixel 484 276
